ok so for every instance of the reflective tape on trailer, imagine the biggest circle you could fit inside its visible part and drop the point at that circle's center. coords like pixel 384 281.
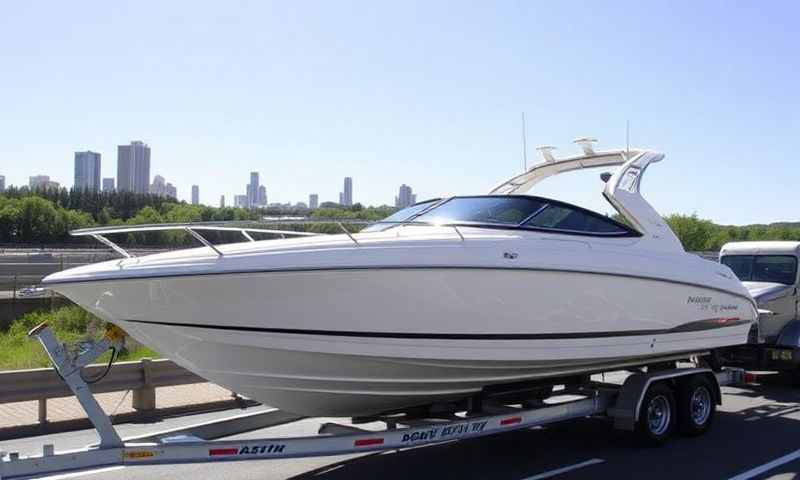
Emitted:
pixel 511 421
pixel 216 452
pixel 139 454
pixel 367 442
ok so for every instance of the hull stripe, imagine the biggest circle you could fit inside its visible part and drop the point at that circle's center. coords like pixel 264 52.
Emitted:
pixel 696 326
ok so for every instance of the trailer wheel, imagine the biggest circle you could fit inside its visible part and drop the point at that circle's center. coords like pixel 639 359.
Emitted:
pixel 696 405
pixel 656 416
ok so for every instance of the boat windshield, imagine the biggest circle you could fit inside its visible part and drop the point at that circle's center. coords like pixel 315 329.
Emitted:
pixel 501 210
pixel 507 211
pixel 763 268
pixel 402 215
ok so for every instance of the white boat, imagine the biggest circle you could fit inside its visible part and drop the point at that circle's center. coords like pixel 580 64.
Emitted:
pixel 443 300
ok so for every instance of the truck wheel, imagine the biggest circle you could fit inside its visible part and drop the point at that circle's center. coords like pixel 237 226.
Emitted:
pixel 656 416
pixel 696 405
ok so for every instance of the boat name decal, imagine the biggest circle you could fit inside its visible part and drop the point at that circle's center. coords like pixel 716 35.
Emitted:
pixel 445 433
pixel 692 299
pixel 259 449
pixel 249 450
pixel 725 308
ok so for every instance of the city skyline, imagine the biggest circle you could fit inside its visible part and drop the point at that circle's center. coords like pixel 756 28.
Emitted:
pixel 134 162
pixel 87 173
pixel 136 165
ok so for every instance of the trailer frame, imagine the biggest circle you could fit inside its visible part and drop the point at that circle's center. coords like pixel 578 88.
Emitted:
pixel 198 443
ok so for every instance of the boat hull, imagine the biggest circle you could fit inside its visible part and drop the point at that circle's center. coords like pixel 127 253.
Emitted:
pixel 353 342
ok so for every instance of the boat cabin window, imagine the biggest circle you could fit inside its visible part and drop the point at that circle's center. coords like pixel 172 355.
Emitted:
pixel 505 210
pixel 763 268
pixel 562 217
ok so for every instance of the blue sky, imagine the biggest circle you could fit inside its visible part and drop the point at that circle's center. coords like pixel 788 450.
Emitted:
pixel 424 93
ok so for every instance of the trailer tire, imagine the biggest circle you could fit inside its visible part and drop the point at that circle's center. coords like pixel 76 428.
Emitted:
pixel 696 405
pixel 656 416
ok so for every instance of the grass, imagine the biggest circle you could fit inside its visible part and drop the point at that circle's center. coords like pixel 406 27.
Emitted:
pixel 70 324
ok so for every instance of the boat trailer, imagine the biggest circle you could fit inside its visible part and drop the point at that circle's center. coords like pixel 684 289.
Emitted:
pixel 626 404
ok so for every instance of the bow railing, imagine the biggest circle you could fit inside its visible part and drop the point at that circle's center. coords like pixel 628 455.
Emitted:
pixel 101 233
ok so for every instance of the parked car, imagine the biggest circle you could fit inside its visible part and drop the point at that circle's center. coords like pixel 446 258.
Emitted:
pixel 769 271
pixel 32 292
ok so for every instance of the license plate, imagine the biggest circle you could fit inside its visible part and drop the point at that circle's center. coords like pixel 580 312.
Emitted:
pixel 781 355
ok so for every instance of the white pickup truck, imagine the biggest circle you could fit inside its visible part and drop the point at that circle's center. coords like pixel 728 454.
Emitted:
pixel 769 271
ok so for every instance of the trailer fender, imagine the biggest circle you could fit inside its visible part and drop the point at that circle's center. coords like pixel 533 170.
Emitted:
pixel 627 406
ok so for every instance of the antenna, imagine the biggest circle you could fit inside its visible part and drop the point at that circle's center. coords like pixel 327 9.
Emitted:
pixel 524 145
pixel 627 136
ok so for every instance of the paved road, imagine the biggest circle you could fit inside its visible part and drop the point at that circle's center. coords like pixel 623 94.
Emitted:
pixel 755 426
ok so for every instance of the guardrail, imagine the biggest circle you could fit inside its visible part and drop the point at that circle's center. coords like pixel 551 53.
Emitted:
pixel 141 377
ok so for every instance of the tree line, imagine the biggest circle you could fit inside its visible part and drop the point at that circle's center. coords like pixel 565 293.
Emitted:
pixel 45 217
pixel 698 234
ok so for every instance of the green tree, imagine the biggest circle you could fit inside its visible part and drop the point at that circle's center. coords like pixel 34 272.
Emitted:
pixel 10 215
pixel 693 232
pixel 37 220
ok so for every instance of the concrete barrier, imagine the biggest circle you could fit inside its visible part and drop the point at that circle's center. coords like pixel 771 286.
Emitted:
pixel 142 377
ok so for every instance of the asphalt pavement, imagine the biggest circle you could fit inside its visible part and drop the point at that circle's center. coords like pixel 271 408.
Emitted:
pixel 756 434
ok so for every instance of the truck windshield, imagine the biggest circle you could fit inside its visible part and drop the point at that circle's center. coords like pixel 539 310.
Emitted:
pixel 763 268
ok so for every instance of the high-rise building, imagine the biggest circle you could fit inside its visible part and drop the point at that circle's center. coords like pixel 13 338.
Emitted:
pixel 158 187
pixel 38 180
pixel 42 181
pixel 195 195
pixel 346 195
pixel 2 183
pixel 261 198
pixel 108 184
pixel 163 188
pixel 133 167
pixel 252 190
pixel 313 201
pixel 405 197
pixel 240 201
pixel 87 171
pixel 222 201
